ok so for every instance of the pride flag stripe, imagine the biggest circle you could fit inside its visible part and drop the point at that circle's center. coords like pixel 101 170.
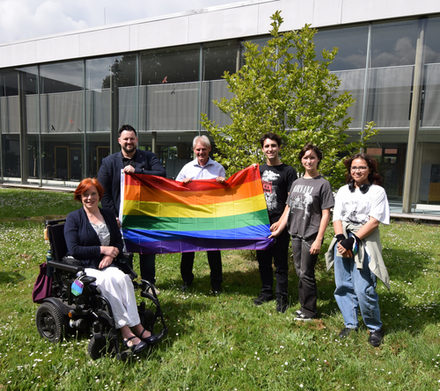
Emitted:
pixel 178 210
pixel 249 174
pixel 196 244
pixel 245 233
pixel 194 224
pixel 211 196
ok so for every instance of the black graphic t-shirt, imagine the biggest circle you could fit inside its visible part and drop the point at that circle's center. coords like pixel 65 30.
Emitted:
pixel 277 181
pixel 307 198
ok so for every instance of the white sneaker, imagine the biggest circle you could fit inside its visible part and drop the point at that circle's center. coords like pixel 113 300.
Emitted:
pixel 303 318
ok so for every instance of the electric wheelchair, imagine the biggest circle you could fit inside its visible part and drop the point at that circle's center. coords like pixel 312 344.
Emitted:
pixel 76 306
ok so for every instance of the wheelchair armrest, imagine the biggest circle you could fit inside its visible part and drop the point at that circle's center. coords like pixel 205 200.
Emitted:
pixel 62 266
pixel 124 261
pixel 88 280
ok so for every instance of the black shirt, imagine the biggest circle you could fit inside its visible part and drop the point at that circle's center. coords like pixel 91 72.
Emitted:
pixel 277 181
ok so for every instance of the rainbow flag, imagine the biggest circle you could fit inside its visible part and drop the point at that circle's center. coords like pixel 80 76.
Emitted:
pixel 161 215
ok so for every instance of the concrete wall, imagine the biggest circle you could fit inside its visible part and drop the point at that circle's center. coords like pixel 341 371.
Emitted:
pixel 237 20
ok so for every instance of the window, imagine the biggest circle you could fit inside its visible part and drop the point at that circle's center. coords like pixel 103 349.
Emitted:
pixel 170 66
pixel 351 43
pixel 394 43
pixel 218 59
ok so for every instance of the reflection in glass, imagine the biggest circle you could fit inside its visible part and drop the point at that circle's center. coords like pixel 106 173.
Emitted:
pixel 9 114
pixel 61 87
pixel 432 41
pixel 389 96
pixel 353 82
pixel 218 59
pixel 11 155
pixel 30 137
pixel 429 188
pixel 431 112
pixel 211 91
pixel 351 43
pixel 172 106
pixel 61 77
pixel 391 165
pixel 170 66
pixel 393 43
pixel 62 157
pixel 62 107
pixel 33 157
pixel 119 70
pixel 8 83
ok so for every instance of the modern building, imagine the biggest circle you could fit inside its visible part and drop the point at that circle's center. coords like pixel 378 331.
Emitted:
pixel 63 97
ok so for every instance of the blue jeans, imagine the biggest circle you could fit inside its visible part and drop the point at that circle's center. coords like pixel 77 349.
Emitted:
pixel 356 290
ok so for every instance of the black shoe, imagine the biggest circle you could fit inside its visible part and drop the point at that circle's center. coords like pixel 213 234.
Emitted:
pixel 136 349
pixel 282 304
pixel 216 292
pixel 345 332
pixel 151 340
pixel 185 286
pixel 376 337
pixel 262 299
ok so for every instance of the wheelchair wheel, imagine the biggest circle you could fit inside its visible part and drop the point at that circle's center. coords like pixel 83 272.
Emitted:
pixel 49 319
pixel 100 346
pixel 97 347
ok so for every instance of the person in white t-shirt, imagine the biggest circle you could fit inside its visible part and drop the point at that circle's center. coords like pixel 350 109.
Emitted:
pixel 356 251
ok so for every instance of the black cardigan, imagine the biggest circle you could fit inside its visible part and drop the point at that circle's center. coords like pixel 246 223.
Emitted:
pixel 83 242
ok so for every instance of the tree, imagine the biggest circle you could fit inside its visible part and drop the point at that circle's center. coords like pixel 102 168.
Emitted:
pixel 283 88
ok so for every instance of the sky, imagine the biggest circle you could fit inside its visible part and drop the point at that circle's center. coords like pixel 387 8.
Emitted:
pixel 27 19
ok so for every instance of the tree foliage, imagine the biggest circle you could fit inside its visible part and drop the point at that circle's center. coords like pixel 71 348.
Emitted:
pixel 284 88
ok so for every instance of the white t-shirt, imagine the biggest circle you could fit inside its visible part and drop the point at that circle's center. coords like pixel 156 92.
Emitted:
pixel 357 207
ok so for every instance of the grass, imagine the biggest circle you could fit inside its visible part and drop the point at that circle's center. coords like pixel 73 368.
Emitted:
pixel 225 342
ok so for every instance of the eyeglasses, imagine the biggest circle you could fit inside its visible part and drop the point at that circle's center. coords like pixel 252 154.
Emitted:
pixel 360 168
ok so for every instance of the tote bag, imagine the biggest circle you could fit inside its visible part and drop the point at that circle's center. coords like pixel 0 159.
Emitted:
pixel 42 286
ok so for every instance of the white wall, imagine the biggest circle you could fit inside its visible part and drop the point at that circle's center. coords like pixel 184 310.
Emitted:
pixel 247 18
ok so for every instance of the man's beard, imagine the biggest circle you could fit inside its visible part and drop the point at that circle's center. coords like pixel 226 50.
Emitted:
pixel 128 151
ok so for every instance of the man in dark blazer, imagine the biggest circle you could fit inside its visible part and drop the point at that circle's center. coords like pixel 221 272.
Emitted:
pixel 129 159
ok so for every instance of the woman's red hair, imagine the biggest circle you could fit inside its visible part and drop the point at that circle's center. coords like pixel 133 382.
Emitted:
pixel 85 185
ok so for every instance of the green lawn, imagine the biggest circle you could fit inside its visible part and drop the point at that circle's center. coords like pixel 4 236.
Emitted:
pixel 225 342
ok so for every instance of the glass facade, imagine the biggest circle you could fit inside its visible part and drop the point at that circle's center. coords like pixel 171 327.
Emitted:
pixel 58 120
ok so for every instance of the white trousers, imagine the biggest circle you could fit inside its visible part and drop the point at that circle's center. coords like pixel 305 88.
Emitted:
pixel 117 288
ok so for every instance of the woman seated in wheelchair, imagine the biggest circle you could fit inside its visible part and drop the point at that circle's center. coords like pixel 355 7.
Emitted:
pixel 93 237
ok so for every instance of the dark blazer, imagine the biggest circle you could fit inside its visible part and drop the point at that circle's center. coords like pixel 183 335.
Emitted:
pixel 83 242
pixel 109 175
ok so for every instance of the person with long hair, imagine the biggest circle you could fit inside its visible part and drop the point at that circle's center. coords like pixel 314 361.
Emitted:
pixel 307 214
pixel 93 237
pixel 356 251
